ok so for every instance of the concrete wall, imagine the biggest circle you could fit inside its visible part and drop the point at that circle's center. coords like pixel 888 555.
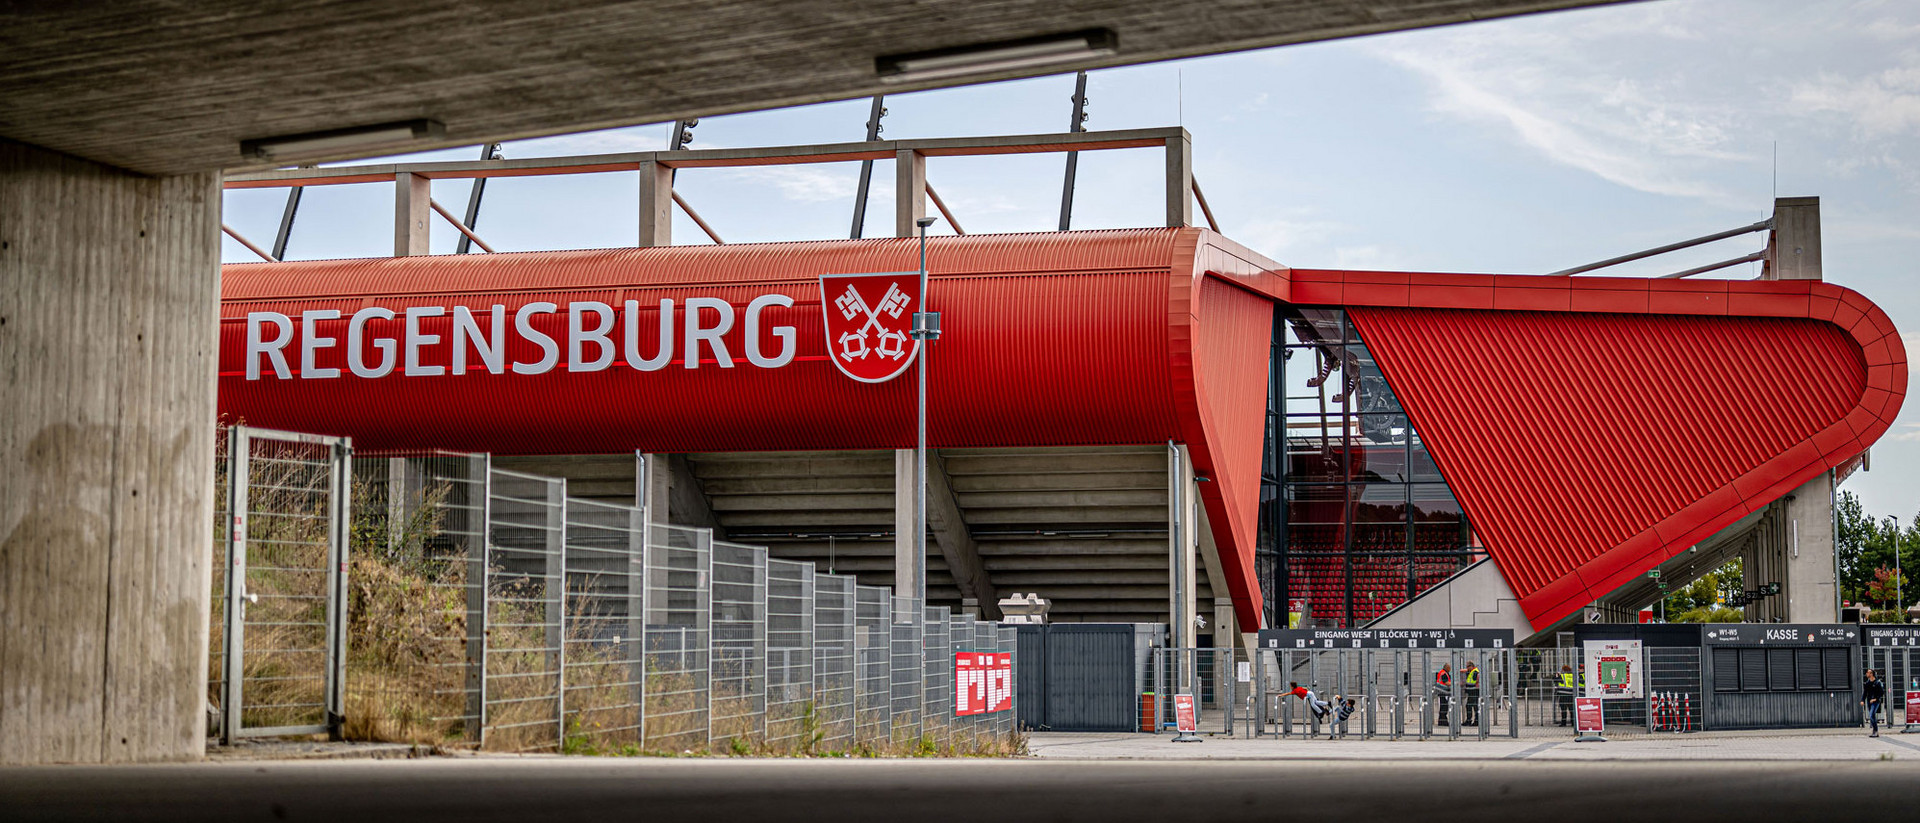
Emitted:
pixel 108 297
pixel 1476 598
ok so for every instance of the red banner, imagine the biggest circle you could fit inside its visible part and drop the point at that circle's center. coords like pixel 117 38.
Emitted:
pixel 1183 718
pixel 1913 708
pixel 1587 715
pixel 982 682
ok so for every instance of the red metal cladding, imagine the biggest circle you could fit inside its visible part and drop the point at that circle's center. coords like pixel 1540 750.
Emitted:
pixel 1057 339
pixel 1599 426
pixel 1230 390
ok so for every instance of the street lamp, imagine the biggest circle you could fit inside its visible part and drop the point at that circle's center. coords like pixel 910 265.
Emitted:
pixel 1899 603
pixel 926 328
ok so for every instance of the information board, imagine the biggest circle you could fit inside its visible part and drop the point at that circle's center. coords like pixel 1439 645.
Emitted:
pixel 1329 639
pixel 1184 720
pixel 1587 716
pixel 1901 636
pixel 982 682
pixel 1913 708
pixel 1614 669
pixel 1767 634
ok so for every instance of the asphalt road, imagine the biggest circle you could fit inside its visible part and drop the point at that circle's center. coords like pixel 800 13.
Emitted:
pixel 932 791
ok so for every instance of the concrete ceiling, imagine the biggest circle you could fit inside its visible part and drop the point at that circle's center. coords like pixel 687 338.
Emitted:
pixel 164 87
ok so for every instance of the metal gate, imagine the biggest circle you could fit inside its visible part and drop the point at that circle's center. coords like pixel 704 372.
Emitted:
pixel 1401 683
pixel 1078 677
pixel 283 619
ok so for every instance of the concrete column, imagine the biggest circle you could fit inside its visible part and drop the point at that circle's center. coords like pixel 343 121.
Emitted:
pixel 109 290
pixel 656 204
pixel 1810 589
pixel 1179 182
pixel 412 209
pixel 1794 249
pixel 659 488
pixel 907 562
pixel 909 192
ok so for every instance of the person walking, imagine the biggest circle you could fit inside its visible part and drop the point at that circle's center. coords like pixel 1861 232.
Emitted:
pixel 1563 696
pixel 1470 693
pixel 1443 691
pixel 1872 694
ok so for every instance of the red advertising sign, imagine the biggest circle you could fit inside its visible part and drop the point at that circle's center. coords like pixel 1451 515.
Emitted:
pixel 982 682
pixel 868 319
pixel 1183 719
pixel 1587 715
pixel 1913 708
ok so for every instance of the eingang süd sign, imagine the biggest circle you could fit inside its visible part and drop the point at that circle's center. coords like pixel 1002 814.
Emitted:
pixel 866 322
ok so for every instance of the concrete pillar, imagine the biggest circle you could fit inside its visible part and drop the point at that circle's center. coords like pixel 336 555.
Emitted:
pixel 412 209
pixel 656 204
pixel 657 493
pixel 1810 589
pixel 909 192
pixel 907 561
pixel 1179 181
pixel 109 290
pixel 1794 248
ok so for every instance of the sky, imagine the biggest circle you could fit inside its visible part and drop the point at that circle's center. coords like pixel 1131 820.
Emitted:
pixel 1524 145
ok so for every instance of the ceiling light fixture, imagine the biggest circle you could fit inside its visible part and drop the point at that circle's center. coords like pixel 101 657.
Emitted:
pixel 337 140
pixel 993 57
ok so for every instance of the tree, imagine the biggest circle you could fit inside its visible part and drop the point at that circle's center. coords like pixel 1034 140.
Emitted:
pixel 1885 587
pixel 1704 600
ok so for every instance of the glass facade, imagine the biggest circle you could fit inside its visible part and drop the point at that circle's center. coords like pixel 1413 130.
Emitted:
pixel 1355 518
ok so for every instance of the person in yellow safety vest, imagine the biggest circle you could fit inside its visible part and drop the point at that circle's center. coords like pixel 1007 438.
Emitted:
pixel 1563 696
pixel 1443 691
pixel 1470 693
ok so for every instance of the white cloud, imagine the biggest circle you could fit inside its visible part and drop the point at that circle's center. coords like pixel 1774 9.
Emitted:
pixel 1548 91
pixel 1880 105
pixel 802 184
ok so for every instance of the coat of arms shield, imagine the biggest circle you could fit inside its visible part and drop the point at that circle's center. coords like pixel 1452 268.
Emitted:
pixel 869 320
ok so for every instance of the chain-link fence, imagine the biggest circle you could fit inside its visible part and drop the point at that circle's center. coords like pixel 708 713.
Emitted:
pixel 487 607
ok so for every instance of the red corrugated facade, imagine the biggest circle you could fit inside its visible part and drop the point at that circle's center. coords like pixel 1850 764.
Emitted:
pixel 1594 427
pixel 1658 411
pixel 1087 338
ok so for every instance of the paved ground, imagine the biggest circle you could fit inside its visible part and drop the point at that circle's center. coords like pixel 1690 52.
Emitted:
pixel 1705 746
pixel 475 790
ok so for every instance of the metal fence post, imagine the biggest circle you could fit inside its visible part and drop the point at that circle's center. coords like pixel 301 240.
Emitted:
pixel 479 558
pixel 556 603
pixel 236 571
pixel 637 616
pixel 1259 709
pixel 339 510
pixel 1513 695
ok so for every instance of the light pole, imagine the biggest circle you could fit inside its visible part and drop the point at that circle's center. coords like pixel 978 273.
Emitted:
pixel 1899 604
pixel 926 329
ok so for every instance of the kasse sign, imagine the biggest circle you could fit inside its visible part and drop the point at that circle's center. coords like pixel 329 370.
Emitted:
pixel 865 316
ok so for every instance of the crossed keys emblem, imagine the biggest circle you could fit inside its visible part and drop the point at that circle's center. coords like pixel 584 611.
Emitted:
pixel 890 344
